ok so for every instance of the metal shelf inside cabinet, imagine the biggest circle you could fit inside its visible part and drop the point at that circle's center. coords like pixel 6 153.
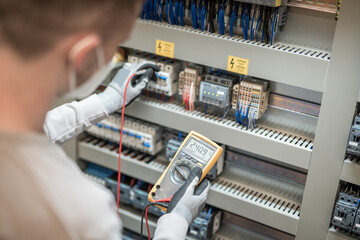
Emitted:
pixel 274 144
pixel 237 190
pixel 148 172
pixel 351 170
pixel 282 63
pixel 334 234
pixel 258 197
pixel 230 231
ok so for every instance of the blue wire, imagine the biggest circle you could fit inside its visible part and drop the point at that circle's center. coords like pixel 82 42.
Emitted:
pixel 240 115
pixel 177 12
pixel 232 23
pixel 243 23
pixel 252 25
pixel 218 72
pixel 193 15
pixel 167 10
pixel 273 26
pixel 171 12
pixel 151 10
pixel 181 13
pixel 203 18
pixel 257 25
pixel 247 21
pixel 205 110
pixel 180 136
pixel 147 14
pixel 210 69
pixel 357 202
pixel 160 10
pixel 154 10
pixel 198 14
pixel 209 213
pixel 143 11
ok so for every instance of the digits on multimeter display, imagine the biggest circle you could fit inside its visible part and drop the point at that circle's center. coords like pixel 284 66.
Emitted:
pixel 199 150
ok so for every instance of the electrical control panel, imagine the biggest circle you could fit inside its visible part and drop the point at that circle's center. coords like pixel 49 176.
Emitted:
pixel 250 99
pixel 353 146
pixel 216 91
pixel 167 76
pixel 138 135
pixel 206 225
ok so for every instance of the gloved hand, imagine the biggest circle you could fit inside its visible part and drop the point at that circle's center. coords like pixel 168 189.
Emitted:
pixel 188 202
pixel 113 96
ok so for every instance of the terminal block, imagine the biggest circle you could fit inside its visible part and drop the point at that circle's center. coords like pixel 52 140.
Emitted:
pixel 353 146
pixel 206 225
pixel 189 84
pixel 345 211
pixel 268 3
pixel 216 91
pixel 250 100
pixel 138 135
pixel 167 77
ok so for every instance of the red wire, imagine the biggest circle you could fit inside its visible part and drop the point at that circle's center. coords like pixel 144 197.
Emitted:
pixel 120 144
pixel 146 212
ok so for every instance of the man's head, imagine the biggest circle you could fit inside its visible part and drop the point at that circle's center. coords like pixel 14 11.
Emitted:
pixel 37 37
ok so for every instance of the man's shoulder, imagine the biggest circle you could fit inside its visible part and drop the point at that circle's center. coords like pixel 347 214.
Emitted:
pixel 49 182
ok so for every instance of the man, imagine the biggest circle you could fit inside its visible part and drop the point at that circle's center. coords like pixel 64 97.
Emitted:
pixel 54 48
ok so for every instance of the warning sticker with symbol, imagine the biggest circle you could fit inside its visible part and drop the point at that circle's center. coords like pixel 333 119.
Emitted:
pixel 238 65
pixel 164 48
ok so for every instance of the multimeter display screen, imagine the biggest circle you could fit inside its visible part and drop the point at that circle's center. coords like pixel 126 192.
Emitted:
pixel 199 150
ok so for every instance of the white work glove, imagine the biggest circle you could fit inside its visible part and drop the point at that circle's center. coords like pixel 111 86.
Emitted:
pixel 188 202
pixel 113 96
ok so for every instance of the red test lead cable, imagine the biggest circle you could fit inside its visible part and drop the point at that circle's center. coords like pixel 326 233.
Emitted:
pixel 120 144
pixel 164 200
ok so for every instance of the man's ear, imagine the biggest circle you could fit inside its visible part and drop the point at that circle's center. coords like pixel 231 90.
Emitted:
pixel 82 49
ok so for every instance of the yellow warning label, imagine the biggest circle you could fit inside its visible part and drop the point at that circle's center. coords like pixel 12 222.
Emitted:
pixel 164 48
pixel 238 65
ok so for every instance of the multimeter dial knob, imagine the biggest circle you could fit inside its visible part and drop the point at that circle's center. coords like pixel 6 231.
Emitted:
pixel 181 173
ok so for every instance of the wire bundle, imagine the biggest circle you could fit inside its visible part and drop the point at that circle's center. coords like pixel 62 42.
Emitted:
pixel 257 23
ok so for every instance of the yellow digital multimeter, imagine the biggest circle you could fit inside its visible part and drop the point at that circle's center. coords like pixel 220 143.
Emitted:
pixel 195 151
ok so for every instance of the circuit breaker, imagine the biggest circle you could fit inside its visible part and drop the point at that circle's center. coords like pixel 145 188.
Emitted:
pixel 345 211
pixel 138 135
pixel 206 225
pixel 353 146
pixel 167 76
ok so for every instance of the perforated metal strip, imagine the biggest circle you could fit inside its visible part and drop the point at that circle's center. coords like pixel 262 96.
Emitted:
pixel 276 195
pixel 264 132
pixel 231 232
pixel 278 46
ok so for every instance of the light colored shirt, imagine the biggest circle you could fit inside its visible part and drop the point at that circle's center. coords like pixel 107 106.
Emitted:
pixel 44 194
